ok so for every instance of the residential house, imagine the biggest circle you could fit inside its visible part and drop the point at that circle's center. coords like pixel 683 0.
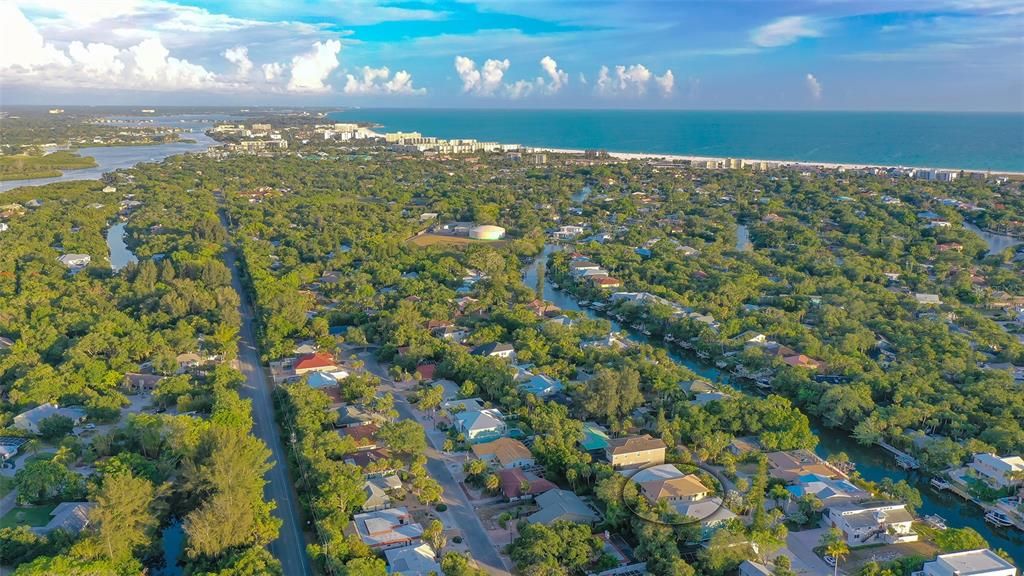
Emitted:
pixel 5 343
pixel 998 472
pixel 517 484
pixel 710 512
pixel 418 560
pixel 352 415
pixel 480 425
pixel 189 362
pixel 542 308
pixel 376 462
pixel 365 435
pixel 792 464
pixel 541 386
pixel 321 380
pixel 567 232
pixel 666 482
pixel 744 445
pixel 376 490
pixel 384 529
pixel 135 382
pixel 982 562
pixel 803 361
pixel 560 504
pixel 612 341
pixel 71 517
pixel 30 420
pixel 751 337
pixel 501 350
pixel 831 491
pixel 606 282
pixel 578 266
pixel 927 299
pixel 425 372
pixel 595 438
pixel 505 453
pixel 635 451
pixel 75 262
pixel 702 399
pixel 315 362
pixel 872 523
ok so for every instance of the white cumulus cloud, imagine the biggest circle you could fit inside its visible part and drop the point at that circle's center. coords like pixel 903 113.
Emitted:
pixel 380 81
pixel 666 82
pixel 558 77
pixel 97 58
pixel 272 71
pixel 310 70
pixel 813 86
pixel 239 56
pixel 21 44
pixel 483 81
pixel 785 31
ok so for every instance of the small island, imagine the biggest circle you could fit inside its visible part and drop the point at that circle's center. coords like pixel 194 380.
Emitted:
pixel 26 166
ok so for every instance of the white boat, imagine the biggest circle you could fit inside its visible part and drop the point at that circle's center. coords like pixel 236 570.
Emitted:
pixel 936 521
pixel 940 484
pixel 998 518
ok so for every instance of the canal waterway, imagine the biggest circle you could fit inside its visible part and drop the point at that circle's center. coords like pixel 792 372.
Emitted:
pixel 110 158
pixel 873 463
pixel 996 242
pixel 120 254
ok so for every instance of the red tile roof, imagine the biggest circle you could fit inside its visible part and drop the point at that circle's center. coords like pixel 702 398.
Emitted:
pixel 426 371
pixel 314 361
pixel 512 479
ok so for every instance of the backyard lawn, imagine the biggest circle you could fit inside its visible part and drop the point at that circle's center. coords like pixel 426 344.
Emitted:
pixel 32 515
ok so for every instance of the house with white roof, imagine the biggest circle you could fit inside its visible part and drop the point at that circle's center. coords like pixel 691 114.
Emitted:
pixel 480 425
pixel 873 523
pixel 383 529
pixel 412 560
pixel 75 262
pixel 998 471
pixel 30 420
pixel 71 517
pixel 982 562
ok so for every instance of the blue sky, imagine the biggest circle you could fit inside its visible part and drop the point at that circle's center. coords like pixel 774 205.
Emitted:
pixel 752 54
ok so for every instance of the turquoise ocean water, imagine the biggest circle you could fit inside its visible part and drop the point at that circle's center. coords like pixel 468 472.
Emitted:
pixel 975 141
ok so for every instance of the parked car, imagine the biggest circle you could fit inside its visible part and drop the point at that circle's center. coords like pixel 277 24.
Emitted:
pixel 829 560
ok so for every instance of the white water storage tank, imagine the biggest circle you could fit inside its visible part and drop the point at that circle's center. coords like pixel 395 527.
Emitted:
pixel 487 232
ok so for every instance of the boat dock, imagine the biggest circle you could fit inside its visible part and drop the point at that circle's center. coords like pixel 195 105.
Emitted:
pixel 903 460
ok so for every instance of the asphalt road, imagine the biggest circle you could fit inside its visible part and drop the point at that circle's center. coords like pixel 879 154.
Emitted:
pixel 290 546
pixel 459 508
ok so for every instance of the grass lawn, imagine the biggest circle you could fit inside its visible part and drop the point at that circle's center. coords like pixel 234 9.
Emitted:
pixel 33 515
pixel 23 166
pixel 40 456
pixel 436 239
pixel 6 485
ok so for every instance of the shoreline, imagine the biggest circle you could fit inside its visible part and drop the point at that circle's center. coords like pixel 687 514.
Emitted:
pixel 775 163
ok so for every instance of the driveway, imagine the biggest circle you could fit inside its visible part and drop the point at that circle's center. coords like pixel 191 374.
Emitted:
pixel 460 511
pixel 802 545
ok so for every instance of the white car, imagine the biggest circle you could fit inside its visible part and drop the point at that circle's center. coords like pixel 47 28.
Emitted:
pixel 829 560
pixel 90 426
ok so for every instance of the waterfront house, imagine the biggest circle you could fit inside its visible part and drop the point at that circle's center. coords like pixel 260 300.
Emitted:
pixel 635 451
pixel 872 523
pixel 560 504
pixel 504 453
pixel 606 282
pixel 792 464
pixel 982 562
pixel 384 529
pixel 803 361
pixel 998 472
pixel 413 561
pixel 30 420
pixel 831 491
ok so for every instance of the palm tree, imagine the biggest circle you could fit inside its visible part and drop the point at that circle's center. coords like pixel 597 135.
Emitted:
pixel 835 546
